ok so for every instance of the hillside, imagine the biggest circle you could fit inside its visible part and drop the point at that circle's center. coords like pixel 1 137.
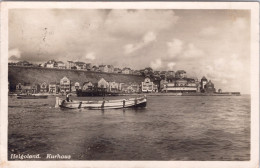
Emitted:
pixel 37 75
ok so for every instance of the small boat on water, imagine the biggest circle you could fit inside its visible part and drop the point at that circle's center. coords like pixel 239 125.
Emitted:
pixel 105 104
pixel 31 96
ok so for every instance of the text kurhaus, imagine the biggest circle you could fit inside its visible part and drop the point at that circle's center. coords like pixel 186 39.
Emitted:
pixel 58 156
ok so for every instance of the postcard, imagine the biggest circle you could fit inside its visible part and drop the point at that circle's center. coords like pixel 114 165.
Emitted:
pixel 130 84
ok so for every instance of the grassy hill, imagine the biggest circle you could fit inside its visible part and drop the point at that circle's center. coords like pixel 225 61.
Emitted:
pixel 37 75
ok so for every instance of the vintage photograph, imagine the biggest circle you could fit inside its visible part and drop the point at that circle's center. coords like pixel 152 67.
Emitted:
pixel 129 84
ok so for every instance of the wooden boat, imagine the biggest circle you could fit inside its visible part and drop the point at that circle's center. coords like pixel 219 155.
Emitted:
pixel 95 92
pixel 105 104
pixel 30 96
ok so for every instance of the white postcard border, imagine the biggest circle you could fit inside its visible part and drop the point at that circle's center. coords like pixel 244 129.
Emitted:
pixel 253 6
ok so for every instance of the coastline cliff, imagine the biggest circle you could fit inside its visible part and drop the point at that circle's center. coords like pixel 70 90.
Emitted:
pixel 37 75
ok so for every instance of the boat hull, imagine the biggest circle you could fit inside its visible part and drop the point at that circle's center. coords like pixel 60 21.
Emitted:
pixel 32 97
pixel 99 105
pixel 96 93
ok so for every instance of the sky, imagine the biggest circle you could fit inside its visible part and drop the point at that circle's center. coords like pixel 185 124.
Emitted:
pixel 210 43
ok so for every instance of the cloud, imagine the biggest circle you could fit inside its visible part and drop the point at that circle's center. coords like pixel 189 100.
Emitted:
pixel 171 65
pixel 14 54
pixel 240 23
pixel 147 39
pixel 90 56
pixel 193 52
pixel 137 22
pixel 208 31
pixel 175 47
pixel 181 50
pixel 156 63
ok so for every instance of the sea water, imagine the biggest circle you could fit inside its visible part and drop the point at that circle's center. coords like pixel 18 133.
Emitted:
pixel 170 128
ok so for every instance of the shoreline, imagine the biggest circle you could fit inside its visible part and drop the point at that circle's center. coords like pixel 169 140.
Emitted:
pixel 149 94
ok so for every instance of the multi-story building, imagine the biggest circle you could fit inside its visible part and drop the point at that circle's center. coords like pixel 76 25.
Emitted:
pixel 203 82
pixel 129 87
pixel 53 87
pixel 209 87
pixel 71 65
pixel 113 86
pixel 75 86
pixel 147 85
pixel 51 64
pixel 35 88
pixel 179 85
pixel 44 87
pixel 61 65
pixel 87 86
pixel 103 84
pixel 64 85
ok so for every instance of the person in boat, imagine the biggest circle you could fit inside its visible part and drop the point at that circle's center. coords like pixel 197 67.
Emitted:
pixel 68 97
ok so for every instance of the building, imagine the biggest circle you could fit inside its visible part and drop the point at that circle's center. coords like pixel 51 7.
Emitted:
pixel 71 65
pixel 147 85
pixel 64 85
pixel 113 86
pixel 103 84
pixel 53 87
pixel 178 85
pixel 24 63
pixel 75 87
pixel 163 84
pixel 27 89
pixel 117 70
pixel 44 87
pixel 126 70
pixel 51 64
pixel 19 88
pixel 209 87
pixel 87 86
pixel 88 66
pixel 110 68
pixel 129 87
pixel 181 82
pixel 61 65
pixel 95 68
pixel 203 82
pixel 36 88
pixel 80 65
pixel 103 68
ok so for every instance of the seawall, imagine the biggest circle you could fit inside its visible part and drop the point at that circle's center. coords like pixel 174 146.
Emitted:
pixel 37 75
